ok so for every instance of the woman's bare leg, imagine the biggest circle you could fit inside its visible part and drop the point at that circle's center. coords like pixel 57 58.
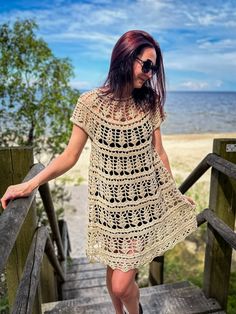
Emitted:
pixel 124 288
pixel 116 301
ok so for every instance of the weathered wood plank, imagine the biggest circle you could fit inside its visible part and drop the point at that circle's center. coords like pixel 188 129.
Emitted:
pixel 224 166
pixel 49 250
pixel 84 267
pixel 49 208
pixel 81 293
pixel 18 221
pixel 48 281
pixel 218 252
pixel 13 218
pixel 27 289
pixel 224 230
pixel 86 275
pixel 180 298
pixel 200 218
pixel 201 168
pixel 84 283
pixel 211 160
pixel 65 242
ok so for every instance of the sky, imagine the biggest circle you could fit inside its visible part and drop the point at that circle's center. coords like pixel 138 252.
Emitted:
pixel 197 38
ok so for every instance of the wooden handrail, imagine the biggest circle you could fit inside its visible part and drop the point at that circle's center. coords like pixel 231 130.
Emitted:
pixel 15 213
pixel 26 291
pixel 29 282
pixel 211 160
pixel 18 214
pixel 200 218
pixel 222 165
pixel 220 217
pixel 12 219
pixel 49 208
pixel 207 215
pixel 224 230
pixel 201 168
pixel 220 222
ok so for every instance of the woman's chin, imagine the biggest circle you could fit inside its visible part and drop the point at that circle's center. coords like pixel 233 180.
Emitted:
pixel 138 84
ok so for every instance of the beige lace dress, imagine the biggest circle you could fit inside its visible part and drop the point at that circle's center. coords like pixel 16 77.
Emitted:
pixel 136 212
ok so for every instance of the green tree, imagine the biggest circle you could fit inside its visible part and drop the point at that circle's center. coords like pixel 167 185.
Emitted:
pixel 34 90
pixel 36 99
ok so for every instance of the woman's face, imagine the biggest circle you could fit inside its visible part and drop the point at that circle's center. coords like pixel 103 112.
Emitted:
pixel 139 77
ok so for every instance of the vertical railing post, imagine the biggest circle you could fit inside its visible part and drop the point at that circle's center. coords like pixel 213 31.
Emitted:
pixel 15 163
pixel 223 202
pixel 156 271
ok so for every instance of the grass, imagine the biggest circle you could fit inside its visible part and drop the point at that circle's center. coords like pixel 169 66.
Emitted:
pixel 4 306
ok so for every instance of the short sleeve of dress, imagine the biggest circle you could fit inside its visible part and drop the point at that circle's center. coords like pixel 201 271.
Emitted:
pixel 81 115
pixel 157 118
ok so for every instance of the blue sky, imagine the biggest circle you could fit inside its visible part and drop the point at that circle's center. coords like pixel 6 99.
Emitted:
pixel 198 38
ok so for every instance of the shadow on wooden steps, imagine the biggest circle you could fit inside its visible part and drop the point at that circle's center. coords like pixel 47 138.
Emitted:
pixel 85 292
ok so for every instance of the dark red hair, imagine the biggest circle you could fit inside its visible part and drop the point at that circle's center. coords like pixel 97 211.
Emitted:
pixel 119 81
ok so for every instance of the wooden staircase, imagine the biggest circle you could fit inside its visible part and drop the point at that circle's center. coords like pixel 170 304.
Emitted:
pixel 85 292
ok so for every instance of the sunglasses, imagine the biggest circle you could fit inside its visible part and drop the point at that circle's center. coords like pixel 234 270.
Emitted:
pixel 148 66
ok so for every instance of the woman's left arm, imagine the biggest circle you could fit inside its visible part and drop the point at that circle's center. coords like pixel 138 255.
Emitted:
pixel 157 142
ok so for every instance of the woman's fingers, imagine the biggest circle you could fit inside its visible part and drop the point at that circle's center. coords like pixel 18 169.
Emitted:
pixel 190 200
pixel 5 200
pixel 14 191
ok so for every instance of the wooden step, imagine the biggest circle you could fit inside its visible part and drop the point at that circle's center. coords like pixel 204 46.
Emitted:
pixel 85 292
pixel 180 298
pixel 84 279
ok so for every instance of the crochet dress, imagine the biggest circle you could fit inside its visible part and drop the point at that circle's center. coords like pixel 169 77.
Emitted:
pixel 136 212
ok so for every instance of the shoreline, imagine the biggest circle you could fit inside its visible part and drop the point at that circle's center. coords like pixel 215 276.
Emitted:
pixel 185 151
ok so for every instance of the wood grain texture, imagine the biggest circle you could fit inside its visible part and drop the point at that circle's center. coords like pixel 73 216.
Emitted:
pixel 18 222
pixel 29 282
pixel 222 202
pixel 49 208
pixel 13 218
pixel 176 298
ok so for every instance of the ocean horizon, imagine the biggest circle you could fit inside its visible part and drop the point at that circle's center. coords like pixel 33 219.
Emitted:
pixel 200 112
pixel 192 112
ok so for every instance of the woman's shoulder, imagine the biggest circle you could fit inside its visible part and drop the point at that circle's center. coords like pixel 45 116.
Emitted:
pixel 89 96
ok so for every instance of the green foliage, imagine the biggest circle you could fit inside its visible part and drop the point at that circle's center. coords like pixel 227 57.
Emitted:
pixel 35 96
pixel 36 99
pixel 231 307
pixel 4 306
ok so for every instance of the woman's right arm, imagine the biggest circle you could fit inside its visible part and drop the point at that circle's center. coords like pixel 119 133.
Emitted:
pixel 57 167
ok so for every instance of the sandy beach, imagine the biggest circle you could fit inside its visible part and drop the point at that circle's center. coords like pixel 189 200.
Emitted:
pixel 184 152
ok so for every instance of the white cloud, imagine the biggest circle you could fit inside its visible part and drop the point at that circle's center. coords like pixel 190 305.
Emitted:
pixel 194 37
pixel 80 84
pixel 219 65
pixel 194 85
pixel 222 44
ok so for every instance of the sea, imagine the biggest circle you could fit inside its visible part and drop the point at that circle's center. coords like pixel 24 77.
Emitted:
pixel 200 112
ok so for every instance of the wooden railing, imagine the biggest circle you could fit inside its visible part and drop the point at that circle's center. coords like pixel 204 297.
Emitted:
pixel 18 225
pixel 220 218
pixel 35 281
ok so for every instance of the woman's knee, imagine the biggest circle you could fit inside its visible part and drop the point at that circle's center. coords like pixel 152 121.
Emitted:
pixel 119 290
pixel 122 283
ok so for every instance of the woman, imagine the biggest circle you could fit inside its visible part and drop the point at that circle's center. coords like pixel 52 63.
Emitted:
pixel 136 211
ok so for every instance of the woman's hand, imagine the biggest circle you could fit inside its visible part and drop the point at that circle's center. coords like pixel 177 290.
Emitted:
pixel 189 199
pixel 15 191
